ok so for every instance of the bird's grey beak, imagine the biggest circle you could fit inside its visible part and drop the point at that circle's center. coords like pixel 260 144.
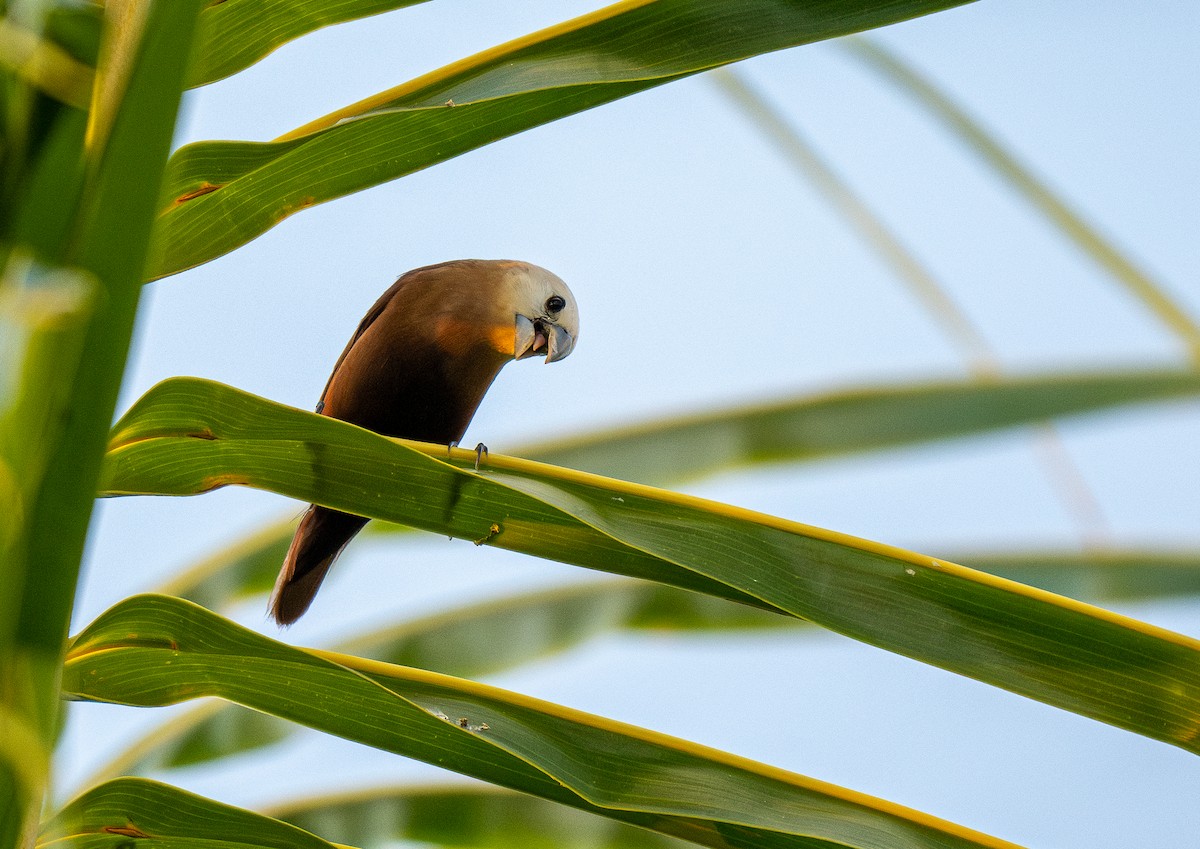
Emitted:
pixel 538 336
pixel 559 344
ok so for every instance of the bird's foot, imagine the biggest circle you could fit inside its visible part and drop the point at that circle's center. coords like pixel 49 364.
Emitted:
pixel 480 452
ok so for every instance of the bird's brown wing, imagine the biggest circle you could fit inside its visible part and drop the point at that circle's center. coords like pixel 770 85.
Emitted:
pixel 373 313
pixel 404 376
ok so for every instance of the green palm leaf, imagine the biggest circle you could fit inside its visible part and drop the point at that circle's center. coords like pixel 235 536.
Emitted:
pixel 223 194
pixel 127 810
pixel 156 650
pixel 462 815
pixel 524 627
pixel 235 34
pixel 516 630
pixel 78 183
pixel 805 428
pixel 189 436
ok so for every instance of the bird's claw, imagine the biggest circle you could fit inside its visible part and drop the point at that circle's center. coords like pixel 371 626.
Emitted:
pixel 481 451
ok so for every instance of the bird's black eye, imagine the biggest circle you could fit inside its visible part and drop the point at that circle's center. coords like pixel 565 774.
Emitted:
pixel 555 304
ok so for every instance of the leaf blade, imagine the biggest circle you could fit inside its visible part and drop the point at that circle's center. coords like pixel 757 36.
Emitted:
pixel 1059 651
pixel 806 428
pixel 152 650
pixel 77 197
pixel 472 641
pixel 523 627
pixel 462 816
pixel 128 809
pixel 235 34
pixel 223 194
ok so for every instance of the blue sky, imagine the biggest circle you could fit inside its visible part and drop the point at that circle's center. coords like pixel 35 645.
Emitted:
pixel 708 273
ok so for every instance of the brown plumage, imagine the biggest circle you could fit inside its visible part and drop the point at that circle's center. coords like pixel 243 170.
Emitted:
pixel 417 367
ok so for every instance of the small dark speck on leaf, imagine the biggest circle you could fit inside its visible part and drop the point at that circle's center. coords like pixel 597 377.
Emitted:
pixel 125 830
pixel 199 191
pixel 493 531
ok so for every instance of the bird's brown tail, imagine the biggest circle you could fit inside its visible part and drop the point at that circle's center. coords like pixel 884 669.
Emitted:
pixel 319 539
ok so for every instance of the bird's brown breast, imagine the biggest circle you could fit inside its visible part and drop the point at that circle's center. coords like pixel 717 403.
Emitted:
pixel 419 369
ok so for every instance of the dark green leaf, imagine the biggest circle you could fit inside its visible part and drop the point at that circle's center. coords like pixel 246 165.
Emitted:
pixel 521 628
pixel 235 34
pixel 124 812
pixel 471 641
pixel 805 428
pixel 223 194
pixel 155 650
pixel 188 436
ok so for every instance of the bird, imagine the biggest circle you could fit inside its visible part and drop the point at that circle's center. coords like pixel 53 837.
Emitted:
pixel 417 368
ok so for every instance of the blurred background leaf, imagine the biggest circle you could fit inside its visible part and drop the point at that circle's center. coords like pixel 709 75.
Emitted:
pixel 78 182
pixel 462 816
pixel 1058 213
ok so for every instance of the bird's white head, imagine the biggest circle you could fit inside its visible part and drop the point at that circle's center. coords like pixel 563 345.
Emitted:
pixel 545 313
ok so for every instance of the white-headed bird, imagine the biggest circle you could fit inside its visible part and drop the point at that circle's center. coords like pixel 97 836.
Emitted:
pixel 416 368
